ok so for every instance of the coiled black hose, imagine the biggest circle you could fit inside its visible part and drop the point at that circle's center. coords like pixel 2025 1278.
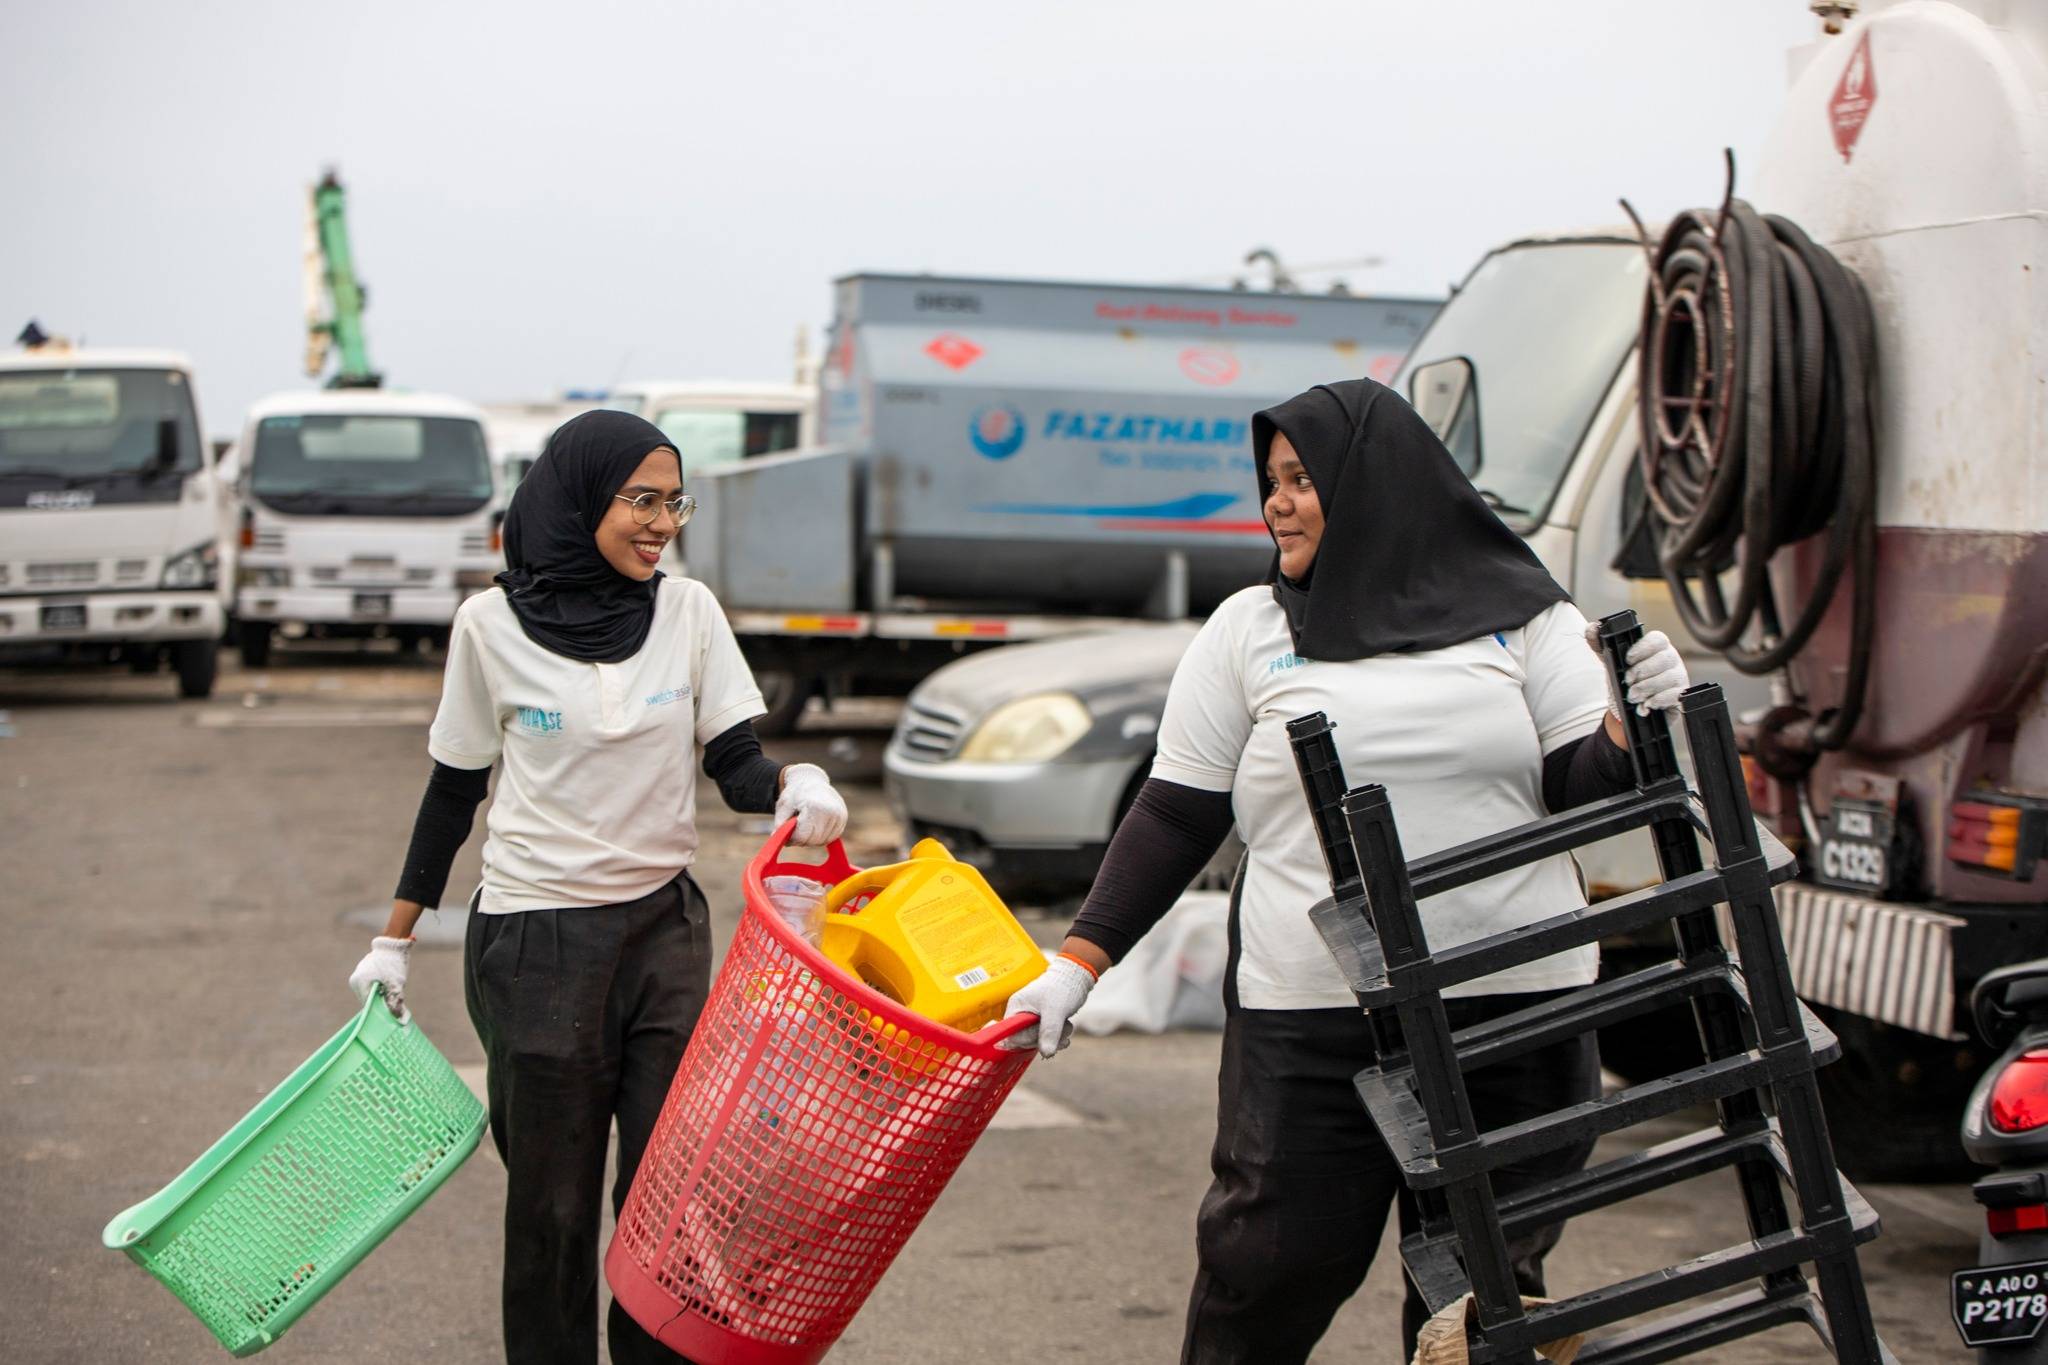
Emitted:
pixel 1757 364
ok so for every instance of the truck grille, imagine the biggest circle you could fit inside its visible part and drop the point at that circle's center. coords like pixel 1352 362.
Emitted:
pixel 928 732
pixel 267 542
pixel 81 573
pixel 131 570
pixel 476 543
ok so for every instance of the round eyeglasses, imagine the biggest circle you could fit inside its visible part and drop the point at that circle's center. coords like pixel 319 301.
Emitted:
pixel 646 505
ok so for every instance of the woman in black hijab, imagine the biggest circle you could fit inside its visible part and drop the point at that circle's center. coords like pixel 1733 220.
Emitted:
pixel 591 681
pixel 1458 674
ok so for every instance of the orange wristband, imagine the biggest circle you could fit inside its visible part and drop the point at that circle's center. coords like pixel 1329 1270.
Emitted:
pixel 1082 963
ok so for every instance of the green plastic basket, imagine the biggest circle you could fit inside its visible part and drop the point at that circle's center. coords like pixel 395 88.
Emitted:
pixel 313 1178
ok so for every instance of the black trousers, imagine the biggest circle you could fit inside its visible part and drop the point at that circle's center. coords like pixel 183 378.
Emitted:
pixel 1303 1183
pixel 584 1015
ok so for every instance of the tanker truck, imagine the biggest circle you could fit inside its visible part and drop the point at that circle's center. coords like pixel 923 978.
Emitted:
pixel 1809 445
pixel 1908 751
pixel 1006 460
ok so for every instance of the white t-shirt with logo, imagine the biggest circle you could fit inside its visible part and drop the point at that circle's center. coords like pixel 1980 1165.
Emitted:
pixel 1456 735
pixel 597 791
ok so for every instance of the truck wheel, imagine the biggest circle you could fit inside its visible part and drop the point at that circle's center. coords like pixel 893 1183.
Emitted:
pixel 198 663
pixel 785 694
pixel 253 639
pixel 1917 1084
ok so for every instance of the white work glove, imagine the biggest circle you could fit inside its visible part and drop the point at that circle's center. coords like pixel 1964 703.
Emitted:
pixel 808 798
pixel 1053 997
pixel 385 964
pixel 1656 673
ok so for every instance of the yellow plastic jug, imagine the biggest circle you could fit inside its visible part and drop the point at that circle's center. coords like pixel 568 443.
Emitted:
pixel 931 935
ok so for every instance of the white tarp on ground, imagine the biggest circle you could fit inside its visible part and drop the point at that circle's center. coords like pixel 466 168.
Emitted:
pixel 1173 978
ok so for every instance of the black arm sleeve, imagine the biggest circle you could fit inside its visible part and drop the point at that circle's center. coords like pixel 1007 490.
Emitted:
pixel 1167 836
pixel 1588 768
pixel 446 813
pixel 746 777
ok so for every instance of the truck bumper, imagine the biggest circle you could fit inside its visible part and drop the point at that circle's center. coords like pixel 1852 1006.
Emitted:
pixel 110 618
pixel 1906 965
pixel 349 606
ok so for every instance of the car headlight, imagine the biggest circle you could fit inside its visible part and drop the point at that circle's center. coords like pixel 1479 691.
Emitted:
pixel 265 576
pixel 198 567
pixel 1028 730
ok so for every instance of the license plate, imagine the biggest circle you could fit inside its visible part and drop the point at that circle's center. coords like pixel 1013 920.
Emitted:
pixel 372 605
pixel 66 616
pixel 1999 1304
pixel 1855 850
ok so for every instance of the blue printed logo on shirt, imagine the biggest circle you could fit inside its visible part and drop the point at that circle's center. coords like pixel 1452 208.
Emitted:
pixel 535 721
pixel 673 694
pixel 1284 662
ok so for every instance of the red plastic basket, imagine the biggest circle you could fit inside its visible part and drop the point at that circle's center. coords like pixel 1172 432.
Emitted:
pixel 811 1125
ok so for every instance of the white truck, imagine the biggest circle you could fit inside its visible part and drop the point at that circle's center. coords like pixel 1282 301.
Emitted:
pixel 365 513
pixel 115 532
pixel 719 423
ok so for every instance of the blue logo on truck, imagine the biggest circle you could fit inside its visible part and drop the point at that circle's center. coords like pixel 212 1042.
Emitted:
pixel 997 432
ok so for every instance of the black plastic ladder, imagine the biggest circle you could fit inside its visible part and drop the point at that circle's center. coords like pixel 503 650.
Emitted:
pixel 1760 1050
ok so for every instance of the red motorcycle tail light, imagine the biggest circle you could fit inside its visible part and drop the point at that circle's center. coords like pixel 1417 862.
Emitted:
pixel 2025 1218
pixel 2019 1097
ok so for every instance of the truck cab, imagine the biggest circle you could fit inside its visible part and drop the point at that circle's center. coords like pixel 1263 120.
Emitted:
pixel 364 514
pixel 115 539
pixel 1529 376
pixel 716 424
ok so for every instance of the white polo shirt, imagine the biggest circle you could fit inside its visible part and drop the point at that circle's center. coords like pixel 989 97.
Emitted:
pixel 597 792
pixel 1457 736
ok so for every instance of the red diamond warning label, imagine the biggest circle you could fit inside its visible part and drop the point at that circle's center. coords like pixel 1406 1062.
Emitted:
pixel 1854 94
pixel 952 350
pixel 1206 365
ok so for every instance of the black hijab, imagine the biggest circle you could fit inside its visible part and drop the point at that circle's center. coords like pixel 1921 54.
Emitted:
pixel 1411 557
pixel 567 597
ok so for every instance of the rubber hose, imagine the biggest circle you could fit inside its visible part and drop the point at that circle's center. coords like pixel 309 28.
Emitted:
pixel 1758 387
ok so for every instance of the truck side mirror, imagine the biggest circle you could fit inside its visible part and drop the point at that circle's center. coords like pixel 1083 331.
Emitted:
pixel 1446 395
pixel 165 458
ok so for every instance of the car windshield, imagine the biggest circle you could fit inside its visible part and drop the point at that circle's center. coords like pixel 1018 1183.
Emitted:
pixel 81 426
pixel 371 463
pixel 708 437
pixel 1545 326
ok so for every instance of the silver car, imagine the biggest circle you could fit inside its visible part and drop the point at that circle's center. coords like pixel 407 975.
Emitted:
pixel 1023 759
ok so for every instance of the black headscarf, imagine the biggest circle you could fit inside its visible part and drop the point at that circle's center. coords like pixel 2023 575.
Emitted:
pixel 567 597
pixel 1411 557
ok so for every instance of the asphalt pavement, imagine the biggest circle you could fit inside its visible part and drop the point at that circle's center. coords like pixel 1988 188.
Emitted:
pixel 187 885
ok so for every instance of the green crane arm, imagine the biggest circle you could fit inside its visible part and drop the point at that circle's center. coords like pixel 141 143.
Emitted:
pixel 344 291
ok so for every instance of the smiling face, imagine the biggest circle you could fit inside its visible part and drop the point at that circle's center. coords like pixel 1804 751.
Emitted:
pixel 626 545
pixel 1293 512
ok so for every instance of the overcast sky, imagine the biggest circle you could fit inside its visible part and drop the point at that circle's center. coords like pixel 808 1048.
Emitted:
pixel 550 195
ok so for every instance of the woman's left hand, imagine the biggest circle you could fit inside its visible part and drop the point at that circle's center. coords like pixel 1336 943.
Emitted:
pixel 808 798
pixel 1656 672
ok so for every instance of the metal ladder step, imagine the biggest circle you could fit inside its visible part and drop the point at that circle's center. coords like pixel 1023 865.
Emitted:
pixel 1390 1099
pixel 1432 1258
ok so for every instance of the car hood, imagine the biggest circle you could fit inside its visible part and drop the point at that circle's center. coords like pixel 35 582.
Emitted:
pixel 1088 666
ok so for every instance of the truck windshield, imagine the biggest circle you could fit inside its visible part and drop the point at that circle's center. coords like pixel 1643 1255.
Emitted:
pixel 1545 326
pixel 349 464
pixel 71 428
pixel 707 438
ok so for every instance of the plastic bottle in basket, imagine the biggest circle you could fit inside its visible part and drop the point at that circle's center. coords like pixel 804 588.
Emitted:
pixel 801 903
pixel 930 934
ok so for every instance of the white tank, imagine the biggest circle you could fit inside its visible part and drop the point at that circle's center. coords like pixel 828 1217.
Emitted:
pixel 1915 146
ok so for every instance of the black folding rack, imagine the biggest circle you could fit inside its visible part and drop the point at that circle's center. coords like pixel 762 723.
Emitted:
pixel 1761 1047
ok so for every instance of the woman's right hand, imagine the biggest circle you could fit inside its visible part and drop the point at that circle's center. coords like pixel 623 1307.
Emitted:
pixel 385 964
pixel 1054 997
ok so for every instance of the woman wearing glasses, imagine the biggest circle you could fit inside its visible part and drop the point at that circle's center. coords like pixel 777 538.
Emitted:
pixel 592 680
